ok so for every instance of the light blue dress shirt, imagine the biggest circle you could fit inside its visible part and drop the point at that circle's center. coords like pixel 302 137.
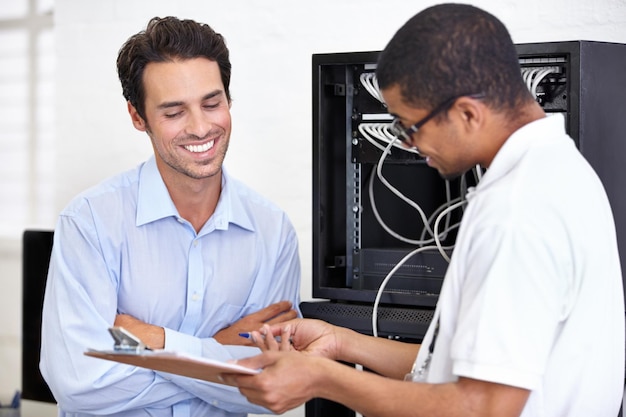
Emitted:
pixel 121 247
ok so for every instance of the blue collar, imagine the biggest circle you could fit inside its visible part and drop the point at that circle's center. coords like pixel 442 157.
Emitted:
pixel 154 202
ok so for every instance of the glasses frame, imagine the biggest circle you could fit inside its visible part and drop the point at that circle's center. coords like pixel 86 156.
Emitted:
pixel 405 134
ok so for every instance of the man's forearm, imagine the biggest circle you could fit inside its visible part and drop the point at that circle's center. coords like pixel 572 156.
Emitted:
pixel 151 335
pixel 365 350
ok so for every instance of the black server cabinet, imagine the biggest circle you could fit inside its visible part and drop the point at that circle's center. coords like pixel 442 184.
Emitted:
pixel 583 80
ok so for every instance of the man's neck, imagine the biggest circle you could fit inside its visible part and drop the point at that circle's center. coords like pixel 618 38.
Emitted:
pixel 503 126
pixel 195 199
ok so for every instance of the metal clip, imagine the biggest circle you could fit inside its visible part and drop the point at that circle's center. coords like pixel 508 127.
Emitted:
pixel 126 341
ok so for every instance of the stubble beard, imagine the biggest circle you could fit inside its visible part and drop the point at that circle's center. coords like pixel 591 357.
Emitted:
pixel 205 168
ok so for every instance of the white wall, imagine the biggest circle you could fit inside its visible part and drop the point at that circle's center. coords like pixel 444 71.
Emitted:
pixel 271 43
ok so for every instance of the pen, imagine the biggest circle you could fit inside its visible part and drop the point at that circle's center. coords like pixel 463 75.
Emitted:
pixel 248 335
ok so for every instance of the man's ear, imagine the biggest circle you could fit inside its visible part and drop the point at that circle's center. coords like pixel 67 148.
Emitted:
pixel 471 112
pixel 137 120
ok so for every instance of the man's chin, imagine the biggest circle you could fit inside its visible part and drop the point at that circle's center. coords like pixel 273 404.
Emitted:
pixel 449 177
pixel 452 176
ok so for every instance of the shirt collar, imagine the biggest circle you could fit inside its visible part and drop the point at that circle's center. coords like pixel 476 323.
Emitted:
pixel 518 143
pixel 154 201
pixel 235 203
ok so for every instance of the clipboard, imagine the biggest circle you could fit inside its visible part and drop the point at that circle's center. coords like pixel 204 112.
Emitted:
pixel 129 350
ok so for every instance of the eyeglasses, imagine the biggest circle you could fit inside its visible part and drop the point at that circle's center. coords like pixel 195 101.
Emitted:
pixel 405 133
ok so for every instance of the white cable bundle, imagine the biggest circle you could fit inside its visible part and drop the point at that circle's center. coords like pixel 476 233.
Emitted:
pixel 406 258
pixel 533 77
pixel 369 81
pixel 379 132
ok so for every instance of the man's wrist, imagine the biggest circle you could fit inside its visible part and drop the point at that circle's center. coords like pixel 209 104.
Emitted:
pixel 157 338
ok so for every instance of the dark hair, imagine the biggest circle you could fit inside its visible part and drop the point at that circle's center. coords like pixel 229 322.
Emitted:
pixel 450 50
pixel 167 39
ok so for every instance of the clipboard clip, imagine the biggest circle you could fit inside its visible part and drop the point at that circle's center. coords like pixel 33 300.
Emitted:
pixel 125 341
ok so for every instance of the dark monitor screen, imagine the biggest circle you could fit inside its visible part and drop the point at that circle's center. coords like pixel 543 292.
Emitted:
pixel 36 249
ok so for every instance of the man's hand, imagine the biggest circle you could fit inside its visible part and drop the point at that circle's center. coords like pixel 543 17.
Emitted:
pixel 272 314
pixel 152 336
pixel 288 379
pixel 314 337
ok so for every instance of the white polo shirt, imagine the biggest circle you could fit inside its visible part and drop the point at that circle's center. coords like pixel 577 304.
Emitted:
pixel 533 295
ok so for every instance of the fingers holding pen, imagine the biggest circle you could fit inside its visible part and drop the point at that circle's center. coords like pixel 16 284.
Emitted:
pixel 286 342
pixel 265 340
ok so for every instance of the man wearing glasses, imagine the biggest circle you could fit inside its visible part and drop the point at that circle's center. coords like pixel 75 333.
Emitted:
pixel 530 320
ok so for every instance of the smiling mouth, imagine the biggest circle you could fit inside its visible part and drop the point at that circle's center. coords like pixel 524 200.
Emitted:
pixel 200 148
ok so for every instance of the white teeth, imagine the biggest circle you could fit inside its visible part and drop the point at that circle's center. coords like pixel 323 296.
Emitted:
pixel 200 148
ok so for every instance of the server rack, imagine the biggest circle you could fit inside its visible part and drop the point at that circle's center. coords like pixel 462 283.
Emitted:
pixel 583 80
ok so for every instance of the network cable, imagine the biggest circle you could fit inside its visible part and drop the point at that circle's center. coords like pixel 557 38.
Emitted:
pixel 533 77
pixel 379 132
pixel 438 246
pixel 379 135
pixel 400 195
pixel 374 132
pixel 369 81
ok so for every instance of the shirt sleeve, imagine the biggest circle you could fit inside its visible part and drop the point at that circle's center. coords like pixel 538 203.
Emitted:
pixel 283 273
pixel 514 296
pixel 79 306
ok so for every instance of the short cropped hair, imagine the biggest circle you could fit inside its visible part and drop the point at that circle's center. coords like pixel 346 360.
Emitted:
pixel 450 50
pixel 167 39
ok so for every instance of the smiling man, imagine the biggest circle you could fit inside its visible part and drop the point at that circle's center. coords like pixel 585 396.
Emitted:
pixel 176 251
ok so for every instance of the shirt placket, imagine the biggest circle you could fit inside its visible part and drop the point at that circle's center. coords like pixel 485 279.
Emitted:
pixel 193 310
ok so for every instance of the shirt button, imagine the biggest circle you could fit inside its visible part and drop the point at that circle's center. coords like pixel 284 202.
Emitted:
pixel 195 297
